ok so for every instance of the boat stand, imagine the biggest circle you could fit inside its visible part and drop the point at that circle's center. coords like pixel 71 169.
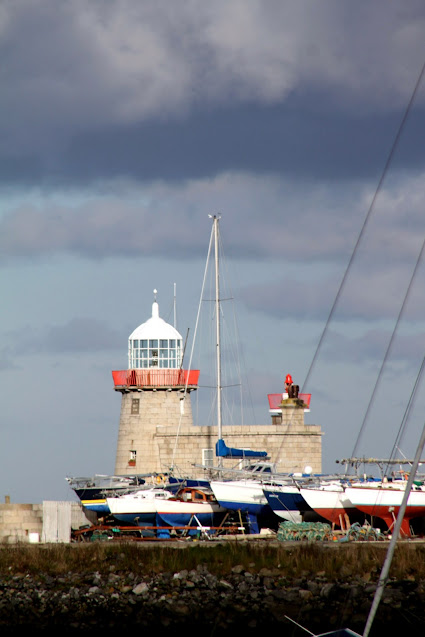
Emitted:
pixel 151 533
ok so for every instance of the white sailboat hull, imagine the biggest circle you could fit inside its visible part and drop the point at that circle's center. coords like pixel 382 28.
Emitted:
pixel 243 495
pixel 330 502
pixel 384 501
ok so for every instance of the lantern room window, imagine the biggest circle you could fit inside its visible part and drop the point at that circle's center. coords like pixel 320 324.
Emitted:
pixel 163 353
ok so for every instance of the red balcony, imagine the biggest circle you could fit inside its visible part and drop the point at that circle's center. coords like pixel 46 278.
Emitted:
pixel 155 378
pixel 275 400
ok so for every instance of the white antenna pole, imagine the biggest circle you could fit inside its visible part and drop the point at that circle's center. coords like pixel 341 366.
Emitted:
pixel 175 315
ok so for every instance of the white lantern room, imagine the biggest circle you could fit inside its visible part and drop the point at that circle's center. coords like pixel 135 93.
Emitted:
pixel 155 344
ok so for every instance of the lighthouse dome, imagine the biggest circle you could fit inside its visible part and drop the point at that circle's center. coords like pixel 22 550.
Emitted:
pixel 155 343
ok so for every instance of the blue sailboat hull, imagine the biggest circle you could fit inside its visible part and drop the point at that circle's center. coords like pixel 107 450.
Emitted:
pixel 286 501
pixel 136 519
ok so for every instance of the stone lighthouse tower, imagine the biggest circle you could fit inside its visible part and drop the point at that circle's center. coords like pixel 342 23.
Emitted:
pixel 155 393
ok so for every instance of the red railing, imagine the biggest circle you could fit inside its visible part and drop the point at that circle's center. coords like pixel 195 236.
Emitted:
pixel 155 377
pixel 275 400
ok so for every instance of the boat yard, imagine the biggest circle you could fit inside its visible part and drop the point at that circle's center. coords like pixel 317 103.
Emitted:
pixel 224 480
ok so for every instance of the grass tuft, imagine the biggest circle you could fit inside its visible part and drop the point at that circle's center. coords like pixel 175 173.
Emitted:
pixel 291 561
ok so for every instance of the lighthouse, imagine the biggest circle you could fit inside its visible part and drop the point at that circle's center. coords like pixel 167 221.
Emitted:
pixel 155 392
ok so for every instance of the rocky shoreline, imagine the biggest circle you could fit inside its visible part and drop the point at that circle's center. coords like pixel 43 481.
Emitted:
pixel 242 602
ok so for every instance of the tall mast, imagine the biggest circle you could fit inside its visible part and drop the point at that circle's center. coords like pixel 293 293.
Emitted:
pixel 217 318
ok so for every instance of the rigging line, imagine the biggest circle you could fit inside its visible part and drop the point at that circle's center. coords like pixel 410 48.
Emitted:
pixel 193 342
pixel 388 349
pixel 369 213
pixel 241 367
pixel 383 578
pixel 238 351
pixel 409 405
pixel 229 337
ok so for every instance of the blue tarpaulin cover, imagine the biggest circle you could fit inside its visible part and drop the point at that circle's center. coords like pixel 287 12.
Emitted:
pixel 223 451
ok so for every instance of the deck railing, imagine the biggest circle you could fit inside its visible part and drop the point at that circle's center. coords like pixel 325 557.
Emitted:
pixel 156 377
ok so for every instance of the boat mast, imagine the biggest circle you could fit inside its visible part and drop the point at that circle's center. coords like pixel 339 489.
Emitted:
pixel 217 322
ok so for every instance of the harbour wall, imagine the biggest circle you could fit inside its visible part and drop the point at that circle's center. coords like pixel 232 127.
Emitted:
pixel 156 433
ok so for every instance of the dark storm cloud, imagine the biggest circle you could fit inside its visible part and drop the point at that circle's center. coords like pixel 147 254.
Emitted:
pixel 162 115
pixel 288 140
pixel 300 139
pixel 281 140
pixel 175 91
pixel 19 170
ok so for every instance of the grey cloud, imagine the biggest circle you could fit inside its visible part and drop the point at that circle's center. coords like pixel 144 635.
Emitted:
pixel 82 334
pixel 375 295
pixel 79 335
pixel 371 347
pixel 6 361
pixel 290 298
pixel 264 217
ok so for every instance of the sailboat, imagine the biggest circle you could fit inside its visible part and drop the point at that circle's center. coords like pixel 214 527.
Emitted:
pixel 329 500
pixel 161 507
pixel 286 499
pixel 383 500
pixel 221 449
pixel 93 491
pixel 243 494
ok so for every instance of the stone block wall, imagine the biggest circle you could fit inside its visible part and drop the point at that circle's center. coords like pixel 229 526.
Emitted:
pixel 157 426
pixel 141 415
pixel 18 521
pixel 27 522
pixel 290 448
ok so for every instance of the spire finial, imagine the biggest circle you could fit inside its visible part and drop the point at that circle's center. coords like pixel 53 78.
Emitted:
pixel 155 309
